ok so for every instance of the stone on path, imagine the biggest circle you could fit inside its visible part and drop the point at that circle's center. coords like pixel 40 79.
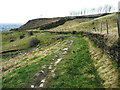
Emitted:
pixel 52 70
pixel 53 59
pixel 32 86
pixel 53 74
pixel 50 67
pixel 58 61
pixel 43 80
pixel 44 66
pixel 65 49
pixel 65 52
pixel 41 71
pixel 41 85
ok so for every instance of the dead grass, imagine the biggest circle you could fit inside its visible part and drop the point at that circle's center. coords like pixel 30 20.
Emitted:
pixel 26 59
pixel 106 67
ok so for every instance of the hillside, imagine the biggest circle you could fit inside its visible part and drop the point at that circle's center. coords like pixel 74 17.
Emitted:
pixel 36 23
pixel 40 22
pixel 76 53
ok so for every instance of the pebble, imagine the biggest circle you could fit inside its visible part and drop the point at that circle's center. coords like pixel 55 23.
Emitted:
pixel 41 71
pixel 56 56
pixel 58 61
pixel 44 66
pixel 50 67
pixel 20 53
pixel 52 70
pixel 41 85
pixel 53 74
pixel 64 52
pixel 32 86
pixel 65 49
pixel 43 80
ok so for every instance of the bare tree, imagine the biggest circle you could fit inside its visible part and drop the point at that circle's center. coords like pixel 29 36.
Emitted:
pixel 93 10
pixel 81 12
pixel 71 13
pixel 84 11
pixel 107 8
pixel 99 10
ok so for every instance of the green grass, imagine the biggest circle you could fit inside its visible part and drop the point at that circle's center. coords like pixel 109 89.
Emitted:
pixel 76 70
pixel 23 45
pixel 45 39
pixel 87 24
pixel 22 77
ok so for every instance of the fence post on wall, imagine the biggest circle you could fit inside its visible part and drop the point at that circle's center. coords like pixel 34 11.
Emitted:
pixel 107 26
pixel 118 19
pixel 118 25
pixel 100 26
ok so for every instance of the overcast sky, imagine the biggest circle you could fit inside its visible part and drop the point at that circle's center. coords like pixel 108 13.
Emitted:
pixel 20 11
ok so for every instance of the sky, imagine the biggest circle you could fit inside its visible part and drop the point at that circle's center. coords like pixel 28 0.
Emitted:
pixel 21 11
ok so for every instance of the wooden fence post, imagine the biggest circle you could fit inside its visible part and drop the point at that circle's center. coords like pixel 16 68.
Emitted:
pixel 118 19
pixel 118 24
pixel 100 26
pixel 107 26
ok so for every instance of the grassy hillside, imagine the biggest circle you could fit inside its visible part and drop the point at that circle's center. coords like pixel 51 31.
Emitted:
pixel 37 58
pixel 47 23
pixel 93 26
pixel 76 68
pixel 36 23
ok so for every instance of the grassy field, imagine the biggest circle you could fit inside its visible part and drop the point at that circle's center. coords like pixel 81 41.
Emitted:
pixel 76 70
pixel 93 26
pixel 22 72
pixel 23 45
pixel 60 60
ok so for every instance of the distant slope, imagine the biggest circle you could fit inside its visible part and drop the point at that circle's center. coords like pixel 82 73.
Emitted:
pixel 46 23
pixel 36 23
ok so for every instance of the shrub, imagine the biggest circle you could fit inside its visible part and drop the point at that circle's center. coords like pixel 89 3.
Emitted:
pixel 34 41
pixel 30 33
pixel 54 24
pixel 11 40
pixel 22 36
pixel 74 32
